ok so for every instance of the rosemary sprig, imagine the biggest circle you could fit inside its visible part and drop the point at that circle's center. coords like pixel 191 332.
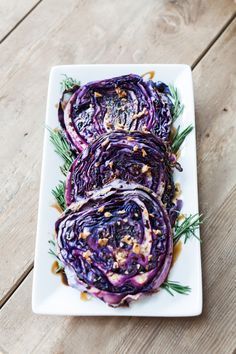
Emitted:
pixel 62 148
pixel 178 107
pixel 59 194
pixel 68 83
pixel 179 138
pixel 53 253
pixel 188 228
pixel 171 286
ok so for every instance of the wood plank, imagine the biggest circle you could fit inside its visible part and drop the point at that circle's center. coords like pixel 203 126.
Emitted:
pixel 76 33
pixel 12 12
pixel 214 331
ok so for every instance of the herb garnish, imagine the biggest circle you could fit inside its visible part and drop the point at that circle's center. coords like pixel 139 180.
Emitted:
pixel 68 83
pixel 53 253
pixel 179 138
pixel 62 148
pixel 187 228
pixel 171 286
pixel 178 107
pixel 59 194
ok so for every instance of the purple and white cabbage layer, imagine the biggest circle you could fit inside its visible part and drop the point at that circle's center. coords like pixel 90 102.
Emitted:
pixel 117 243
pixel 130 156
pixel 125 102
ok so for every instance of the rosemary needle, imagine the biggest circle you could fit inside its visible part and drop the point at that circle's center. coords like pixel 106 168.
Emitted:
pixel 68 83
pixel 62 148
pixel 187 228
pixel 53 253
pixel 177 108
pixel 179 138
pixel 171 286
pixel 59 194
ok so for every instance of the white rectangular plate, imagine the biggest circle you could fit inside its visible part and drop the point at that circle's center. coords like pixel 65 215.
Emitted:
pixel 50 296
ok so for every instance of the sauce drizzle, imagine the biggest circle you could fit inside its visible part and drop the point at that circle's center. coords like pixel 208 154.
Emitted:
pixel 57 207
pixel 176 252
pixel 84 296
pixel 150 74
pixel 61 273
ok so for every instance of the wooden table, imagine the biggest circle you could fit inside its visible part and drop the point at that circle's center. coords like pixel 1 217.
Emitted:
pixel 38 34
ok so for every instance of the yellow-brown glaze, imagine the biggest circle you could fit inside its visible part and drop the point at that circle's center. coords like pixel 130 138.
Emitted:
pixel 176 252
pixel 61 272
pixel 84 296
pixel 150 73
pixel 57 207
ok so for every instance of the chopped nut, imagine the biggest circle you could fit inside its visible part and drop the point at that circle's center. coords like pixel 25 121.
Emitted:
pixel 107 214
pixel 87 255
pixel 118 223
pixel 105 142
pixel 121 257
pixel 144 129
pixel 108 124
pixel 181 217
pixel 125 220
pixel 145 168
pixel 144 153
pixel 136 248
pixel 120 126
pixel 101 209
pixel 111 164
pixel 150 257
pixel 136 214
pixel 138 266
pixel 130 138
pixel 157 232
pixel 135 148
pixel 97 94
pixel 115 265
pixel 103 241
pixel 97 164
pixel 84 235
pixel 177 189
pixel 152 216
pixel 140 114
pixel 121 93
pixel 127 239
pixel 121 212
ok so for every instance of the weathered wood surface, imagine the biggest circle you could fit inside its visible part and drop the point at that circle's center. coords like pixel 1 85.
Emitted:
pixel 12 12
pixel 77 32
pixel 214 331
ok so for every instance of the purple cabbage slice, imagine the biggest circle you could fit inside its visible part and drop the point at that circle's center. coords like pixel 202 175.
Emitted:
pixel 131 156
pixel 116 244
pixel 125 102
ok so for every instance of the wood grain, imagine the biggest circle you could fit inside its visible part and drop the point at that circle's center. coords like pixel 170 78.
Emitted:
pixel 214 331
pixel 78 32
pixel 12 12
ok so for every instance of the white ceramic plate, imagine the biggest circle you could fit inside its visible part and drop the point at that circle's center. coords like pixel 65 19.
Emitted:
pixel 50 296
